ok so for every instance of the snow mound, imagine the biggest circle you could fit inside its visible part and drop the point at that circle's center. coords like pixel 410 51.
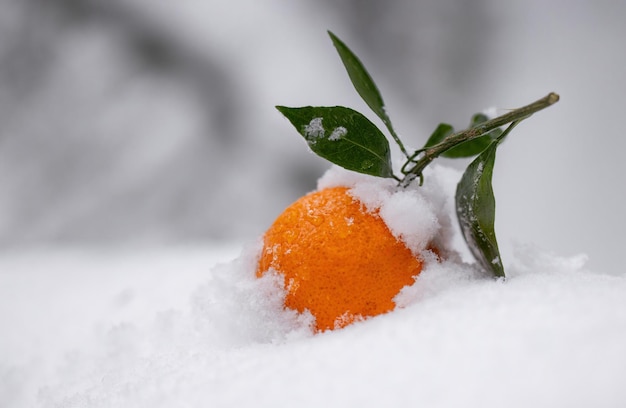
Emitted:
pixel 234 308
pixel 552 335
pixel 416 215
pixel 182 328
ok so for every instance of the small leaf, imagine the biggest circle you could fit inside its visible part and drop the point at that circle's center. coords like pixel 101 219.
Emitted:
pixel 475 146
pixel 443 130
pixel 344 137
pixel 361 79
pixel 364 85
pixel 476 206
pixel 477 119
pixel 469 148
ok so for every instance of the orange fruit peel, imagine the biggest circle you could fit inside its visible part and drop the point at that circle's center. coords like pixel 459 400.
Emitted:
pixel 339 258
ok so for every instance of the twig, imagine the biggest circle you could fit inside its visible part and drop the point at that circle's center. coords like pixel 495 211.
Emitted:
pixel 427 155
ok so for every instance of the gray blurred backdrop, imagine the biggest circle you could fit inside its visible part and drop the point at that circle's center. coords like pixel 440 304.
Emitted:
pixel 142 122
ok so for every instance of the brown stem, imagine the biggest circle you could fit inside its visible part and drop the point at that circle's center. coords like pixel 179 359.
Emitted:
pixel 431 153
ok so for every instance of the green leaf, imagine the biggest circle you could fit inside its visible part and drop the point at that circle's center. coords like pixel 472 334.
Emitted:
pixel 469 149
pixel 364 85
pixel 344 137
pixel 361 79
pixel 443 130
pixel 475 208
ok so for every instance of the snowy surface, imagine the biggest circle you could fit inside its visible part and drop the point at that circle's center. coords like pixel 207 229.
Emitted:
pixel 164 328
pixel 194 327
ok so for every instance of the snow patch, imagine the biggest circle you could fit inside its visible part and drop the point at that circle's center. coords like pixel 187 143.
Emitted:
pixel 236 308
pixel 338 133
pixel 314 130
pixel 416 215
pixel 551 334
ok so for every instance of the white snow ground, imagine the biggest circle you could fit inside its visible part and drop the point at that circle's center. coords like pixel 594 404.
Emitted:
pixel 164 329
pixel 193 327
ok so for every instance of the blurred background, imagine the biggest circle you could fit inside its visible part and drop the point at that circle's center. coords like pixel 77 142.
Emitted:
pixel 126 122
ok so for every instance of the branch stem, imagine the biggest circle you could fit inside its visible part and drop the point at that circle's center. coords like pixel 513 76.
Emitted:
pixel 427 155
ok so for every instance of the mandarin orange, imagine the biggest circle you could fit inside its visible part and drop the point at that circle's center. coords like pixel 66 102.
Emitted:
pixel 339 261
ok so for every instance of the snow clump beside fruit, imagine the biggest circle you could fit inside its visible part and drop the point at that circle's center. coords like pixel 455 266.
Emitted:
pixel 418 216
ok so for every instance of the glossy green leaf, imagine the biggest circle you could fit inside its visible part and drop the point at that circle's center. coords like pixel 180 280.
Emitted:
pixel 442 131
pixel 476 206
pixel 361 79
pixel 469 149
pixel 344 137
pixel 363 83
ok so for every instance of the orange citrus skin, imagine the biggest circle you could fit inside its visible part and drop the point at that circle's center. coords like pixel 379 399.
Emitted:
pixel 339 261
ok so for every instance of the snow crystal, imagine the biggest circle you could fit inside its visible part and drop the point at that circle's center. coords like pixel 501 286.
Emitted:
pixel 314 130
pixel 338 133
